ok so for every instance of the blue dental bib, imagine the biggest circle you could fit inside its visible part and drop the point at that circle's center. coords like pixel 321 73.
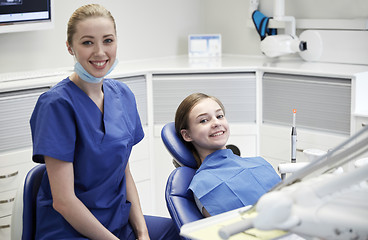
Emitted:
pixel 226 181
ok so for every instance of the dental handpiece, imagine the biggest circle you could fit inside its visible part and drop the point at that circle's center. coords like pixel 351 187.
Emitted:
pixel 293 139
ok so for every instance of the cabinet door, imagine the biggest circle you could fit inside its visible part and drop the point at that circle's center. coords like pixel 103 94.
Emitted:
pixel 15 143
pixel 322 103
pixel 360 122
pixel 323 113
pixel 5 227
pixel 138 85
pixel 15 111
pixel 237 91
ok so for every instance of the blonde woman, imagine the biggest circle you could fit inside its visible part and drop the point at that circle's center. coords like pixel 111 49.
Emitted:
pixel 84 129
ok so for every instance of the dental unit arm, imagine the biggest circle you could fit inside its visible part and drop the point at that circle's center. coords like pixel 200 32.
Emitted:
pixel 275 45
pixel 318 202
pixel 279 45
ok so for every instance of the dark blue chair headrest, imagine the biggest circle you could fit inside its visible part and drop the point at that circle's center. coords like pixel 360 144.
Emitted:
pixel 176 147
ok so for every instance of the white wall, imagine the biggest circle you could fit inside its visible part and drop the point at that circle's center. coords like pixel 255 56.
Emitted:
pixel 158 28
pixel 146 29
pixel 321 9
pixel 231 18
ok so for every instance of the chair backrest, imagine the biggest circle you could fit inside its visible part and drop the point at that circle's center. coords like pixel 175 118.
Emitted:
pixel 24 209
pixel 180 202
pixel 181 154
pixel 176 147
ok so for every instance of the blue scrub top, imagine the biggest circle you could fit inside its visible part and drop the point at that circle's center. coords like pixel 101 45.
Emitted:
pixel 225 181
pixel 67 125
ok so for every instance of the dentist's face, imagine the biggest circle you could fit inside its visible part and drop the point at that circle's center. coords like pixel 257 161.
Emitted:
pixel 208 128
pixel 94 45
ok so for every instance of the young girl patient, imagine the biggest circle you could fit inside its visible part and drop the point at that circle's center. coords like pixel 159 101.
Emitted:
pixel 223 181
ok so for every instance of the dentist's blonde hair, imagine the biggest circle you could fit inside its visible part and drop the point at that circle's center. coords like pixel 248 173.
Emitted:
pixel 83 13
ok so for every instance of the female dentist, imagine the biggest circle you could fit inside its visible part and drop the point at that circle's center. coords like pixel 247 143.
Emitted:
pixel 84 129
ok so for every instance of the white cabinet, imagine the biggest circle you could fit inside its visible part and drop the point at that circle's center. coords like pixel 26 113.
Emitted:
pixel 275 142
pixel 323 114
pixel 360 121
pixel 15 147
pixel 236 90
pixel 5 227
pixel 258 96
pixel 15 111
pixel 12 172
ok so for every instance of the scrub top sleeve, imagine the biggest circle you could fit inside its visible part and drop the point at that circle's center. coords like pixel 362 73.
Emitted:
pixel 139 130
pixel 53 128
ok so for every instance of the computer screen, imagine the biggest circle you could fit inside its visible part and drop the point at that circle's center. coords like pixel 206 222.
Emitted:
pixel 204 45
pixel 25 15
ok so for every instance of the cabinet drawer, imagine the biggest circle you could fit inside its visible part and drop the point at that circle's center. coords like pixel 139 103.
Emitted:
pixel 6 202
pixel 9 177
pixel 5 227
pixel 246 144
pixel 15 157
pixel 275 143
pixel 360 122
pixel 140 170
pixel 145 196
pixel 140 151
pixel 244 136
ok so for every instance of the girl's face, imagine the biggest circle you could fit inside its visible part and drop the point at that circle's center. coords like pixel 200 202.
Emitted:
pixel 94 45
pixel 208 129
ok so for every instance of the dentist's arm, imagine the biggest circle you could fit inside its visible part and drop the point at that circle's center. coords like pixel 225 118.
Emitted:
pixel 61 177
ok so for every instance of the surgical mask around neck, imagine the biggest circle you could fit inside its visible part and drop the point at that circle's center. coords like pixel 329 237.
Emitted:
pixel 86 76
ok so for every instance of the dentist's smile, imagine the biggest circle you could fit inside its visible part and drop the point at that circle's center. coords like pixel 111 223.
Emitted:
pixel 99 64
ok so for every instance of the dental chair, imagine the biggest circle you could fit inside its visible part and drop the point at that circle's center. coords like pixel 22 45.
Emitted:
pixel 23 223
pixel 180 202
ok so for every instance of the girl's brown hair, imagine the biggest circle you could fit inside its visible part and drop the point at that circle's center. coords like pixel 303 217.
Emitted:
pixel 84 12
pixel 182 117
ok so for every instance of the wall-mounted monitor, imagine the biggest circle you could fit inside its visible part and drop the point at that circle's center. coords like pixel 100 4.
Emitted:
pixel 25 15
